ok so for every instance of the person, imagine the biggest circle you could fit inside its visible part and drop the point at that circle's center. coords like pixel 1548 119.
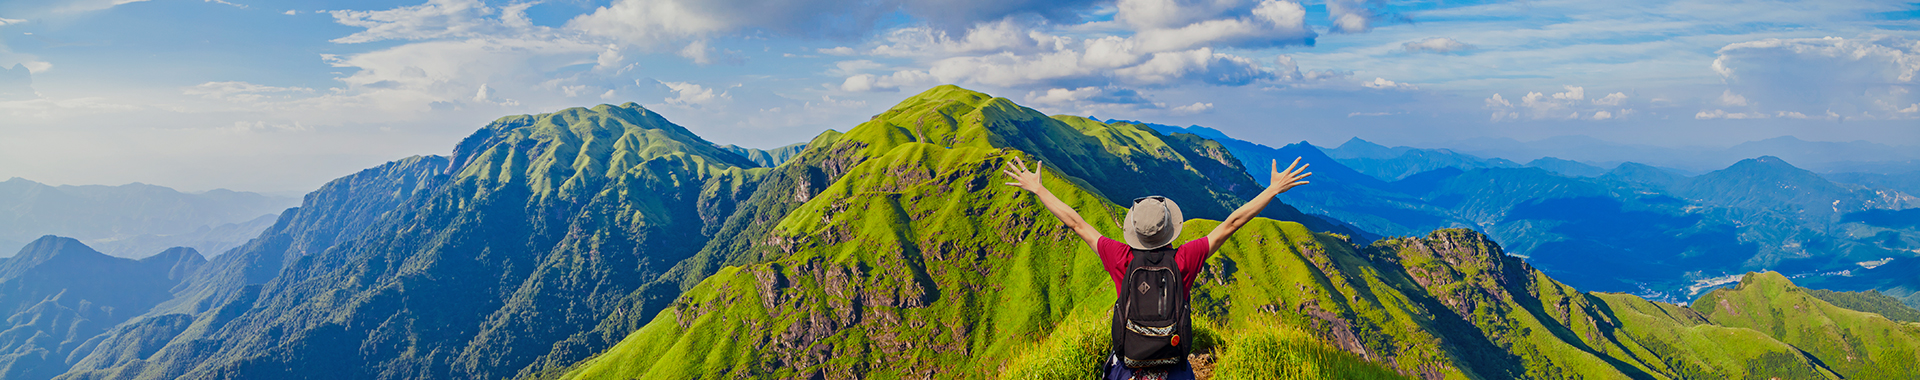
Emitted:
pixel 1149 346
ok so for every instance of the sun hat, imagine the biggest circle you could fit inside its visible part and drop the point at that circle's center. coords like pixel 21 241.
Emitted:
pixel 1153 222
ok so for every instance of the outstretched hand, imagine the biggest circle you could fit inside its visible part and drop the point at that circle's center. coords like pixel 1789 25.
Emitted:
pixel 1023 178
pixel 1286 180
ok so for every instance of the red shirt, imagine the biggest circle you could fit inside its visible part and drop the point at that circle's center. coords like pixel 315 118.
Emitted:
pixel 1115 255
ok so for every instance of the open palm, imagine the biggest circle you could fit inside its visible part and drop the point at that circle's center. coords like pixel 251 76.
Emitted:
pixel 1295 175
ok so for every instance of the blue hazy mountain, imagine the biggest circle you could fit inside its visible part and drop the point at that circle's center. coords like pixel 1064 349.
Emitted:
pixel 133 220
pixel 544 240
pixel 1817 156
pixel 57 295
pixel 1635 228
pixel 1567 167
pixel 1398 163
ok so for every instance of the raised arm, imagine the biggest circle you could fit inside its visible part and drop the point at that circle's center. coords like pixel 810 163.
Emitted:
pixel 1282 181
pixel 1030 181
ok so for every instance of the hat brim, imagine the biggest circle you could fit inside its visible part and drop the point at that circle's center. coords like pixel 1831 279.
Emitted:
pixel 1135 240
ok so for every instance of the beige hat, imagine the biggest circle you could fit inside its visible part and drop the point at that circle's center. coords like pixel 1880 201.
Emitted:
pixel 1153 222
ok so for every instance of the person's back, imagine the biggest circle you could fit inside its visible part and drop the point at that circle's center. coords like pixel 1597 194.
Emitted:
pixel 1152 322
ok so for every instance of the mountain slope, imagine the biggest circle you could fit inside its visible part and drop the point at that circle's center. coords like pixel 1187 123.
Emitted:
pixel 916 264
pixel 479 266
pixel 1855 344
pixel 1118 161
pixel 770 157
pixel 57 294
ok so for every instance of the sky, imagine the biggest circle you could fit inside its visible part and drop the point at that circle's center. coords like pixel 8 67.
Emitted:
pixel 282 96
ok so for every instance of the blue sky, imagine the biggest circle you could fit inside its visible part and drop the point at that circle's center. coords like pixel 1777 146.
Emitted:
pixel 282 96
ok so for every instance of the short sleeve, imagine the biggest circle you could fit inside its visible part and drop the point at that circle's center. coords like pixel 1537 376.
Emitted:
pixel 1191 256
pixel 1114 256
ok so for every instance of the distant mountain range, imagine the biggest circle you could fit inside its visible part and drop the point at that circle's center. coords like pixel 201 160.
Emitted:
pixel 610 243
pixel 133 220
pixel 1818 156
pixel 1633 228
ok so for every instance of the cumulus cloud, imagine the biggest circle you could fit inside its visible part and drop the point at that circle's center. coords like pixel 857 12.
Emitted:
pixel 1091 100
pixel 1870 77
pixel 1355 16
pixel 1570 104
pixel 886 83
pixel 433 20
pixel 1383 83
pixel 1194 108
pixel 1438 45
pixel 657 21
pixel 692 95
pixel 1612 99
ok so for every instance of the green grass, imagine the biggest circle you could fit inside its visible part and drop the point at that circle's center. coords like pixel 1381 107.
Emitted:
pixel 1856 345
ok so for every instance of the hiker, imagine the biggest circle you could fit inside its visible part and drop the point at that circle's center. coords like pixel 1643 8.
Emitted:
pixel 1151 320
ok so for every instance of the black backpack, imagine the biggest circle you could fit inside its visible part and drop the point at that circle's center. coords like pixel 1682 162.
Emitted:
pixel 1151 321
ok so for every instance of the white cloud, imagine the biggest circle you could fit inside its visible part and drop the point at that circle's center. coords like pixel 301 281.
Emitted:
pixel 224 2
pixel 1354 16
pixel 692 95
pixel 1723 114
pixel 1164 25
pixel 650 22
pixel 1729 98
pixel 700 53
pixel 1383 83
pixel 1612 99
pixel 1440 45
pixel 243 92
pixel 1194 108
pixel 1201 65
pixel 433 20
pixel 886 83
pixel 839 50
pixel 1871 76
pixel 8 21
pixel 291 12
pixel 1569 104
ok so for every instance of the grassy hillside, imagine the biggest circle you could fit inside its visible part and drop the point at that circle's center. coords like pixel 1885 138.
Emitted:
pixel 1856 345
pixel 915 263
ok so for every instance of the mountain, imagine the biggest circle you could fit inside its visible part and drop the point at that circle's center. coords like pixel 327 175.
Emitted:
pixel 133 220
pixel 16 83
pixel 1378 161
pixel 1869 302
pixel 608 242
pixel 768 158
pixel 1819 156
pixel 1636 228
pixel 1854 344
pixel 57 294
pixel 470 266
pixel 1908 182
pixel 1566 167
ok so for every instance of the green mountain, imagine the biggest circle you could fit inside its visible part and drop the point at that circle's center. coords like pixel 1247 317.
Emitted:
pixel 610 243
pixel 1854 344
pixel 768 158
pixel 914 264
pixel 57 295
pixel 465 267
pixel 133 220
